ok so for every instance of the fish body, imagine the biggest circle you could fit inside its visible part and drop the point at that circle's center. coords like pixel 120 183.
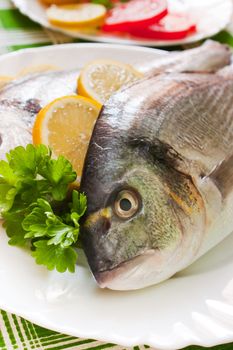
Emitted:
pixel 22 99
pixel 210 56
pixel 158 176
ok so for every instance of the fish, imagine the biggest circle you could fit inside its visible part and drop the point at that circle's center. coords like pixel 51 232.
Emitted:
pixel 158 177
pixel 23 98
pixel 211 55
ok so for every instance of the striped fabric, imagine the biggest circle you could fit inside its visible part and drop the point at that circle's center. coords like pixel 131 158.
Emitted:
pixel 17 333
pixel 16 32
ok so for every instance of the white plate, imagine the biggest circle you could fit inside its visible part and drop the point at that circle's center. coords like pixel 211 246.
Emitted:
pixel 194 307
pixel 211 16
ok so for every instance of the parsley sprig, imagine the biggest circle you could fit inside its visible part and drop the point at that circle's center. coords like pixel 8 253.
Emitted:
pixel 38 207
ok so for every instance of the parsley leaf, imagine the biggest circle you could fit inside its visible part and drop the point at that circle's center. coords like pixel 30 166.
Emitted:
pixel 7 173
pixel 33 203
pixel 54 256
pixel 13 225
pixel 59 174
pixel 25 161
pixel 79 203
pixel 7 195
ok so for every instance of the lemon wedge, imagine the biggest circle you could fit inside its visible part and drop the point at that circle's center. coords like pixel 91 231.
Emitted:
pixel 100 79
pixel 76 16
pixel 66 125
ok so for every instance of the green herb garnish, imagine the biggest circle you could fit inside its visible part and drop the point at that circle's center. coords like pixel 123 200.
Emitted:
pixel 38 207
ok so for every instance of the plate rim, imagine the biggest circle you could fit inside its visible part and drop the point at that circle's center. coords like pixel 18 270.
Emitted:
pixel 63 46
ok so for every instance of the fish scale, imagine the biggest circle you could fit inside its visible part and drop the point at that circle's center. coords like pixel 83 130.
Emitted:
pixel 202 126
pixel 187 114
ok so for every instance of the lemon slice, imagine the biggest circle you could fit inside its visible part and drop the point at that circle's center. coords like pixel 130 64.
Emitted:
pixel 66 125
pixel 100 79
pixel 76 16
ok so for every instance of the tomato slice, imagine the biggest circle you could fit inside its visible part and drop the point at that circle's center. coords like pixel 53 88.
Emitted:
pixel 172 27
pixel 135 13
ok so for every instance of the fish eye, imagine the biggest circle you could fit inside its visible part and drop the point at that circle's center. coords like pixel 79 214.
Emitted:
pixel 126 204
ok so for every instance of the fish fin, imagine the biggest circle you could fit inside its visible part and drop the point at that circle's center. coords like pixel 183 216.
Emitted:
pixel 222 176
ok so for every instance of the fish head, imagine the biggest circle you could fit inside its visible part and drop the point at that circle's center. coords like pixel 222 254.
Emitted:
pixel 137 217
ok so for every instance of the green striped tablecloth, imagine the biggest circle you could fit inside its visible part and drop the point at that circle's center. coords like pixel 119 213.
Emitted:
pixel 16 32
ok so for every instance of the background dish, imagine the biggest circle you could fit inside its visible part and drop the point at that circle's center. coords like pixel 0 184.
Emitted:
pixel 211 16
pixel 194 307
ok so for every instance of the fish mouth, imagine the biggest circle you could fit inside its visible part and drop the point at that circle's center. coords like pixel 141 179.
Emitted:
pixel 131 274
pixel 149 266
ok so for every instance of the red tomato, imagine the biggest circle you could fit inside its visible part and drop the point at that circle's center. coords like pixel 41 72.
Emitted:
pixel 135 13
pixel 171 27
